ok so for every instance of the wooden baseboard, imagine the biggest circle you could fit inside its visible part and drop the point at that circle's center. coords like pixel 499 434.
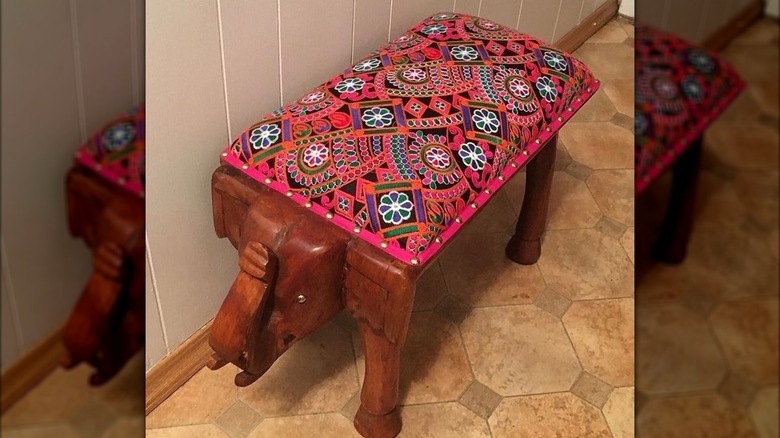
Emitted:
pixel 723 36
pixel 590 25
pixel 177 368
pixel 27 372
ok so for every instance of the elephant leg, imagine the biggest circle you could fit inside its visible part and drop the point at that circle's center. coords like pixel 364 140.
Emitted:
pixel 382 312
pixel 672 243
pixel 525 246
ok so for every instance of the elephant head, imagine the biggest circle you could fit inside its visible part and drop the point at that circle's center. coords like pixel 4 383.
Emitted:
pixel 289 284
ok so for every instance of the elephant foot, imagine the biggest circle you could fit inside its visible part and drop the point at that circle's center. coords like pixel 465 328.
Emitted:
pixel 377 426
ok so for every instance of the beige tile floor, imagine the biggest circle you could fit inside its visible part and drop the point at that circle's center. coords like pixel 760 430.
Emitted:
pixel 65 406
pixel 707 330
pixel 494 349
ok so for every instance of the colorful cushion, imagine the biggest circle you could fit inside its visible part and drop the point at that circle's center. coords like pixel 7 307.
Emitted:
pixel 404 146
pixel 680 90
pixel 116 152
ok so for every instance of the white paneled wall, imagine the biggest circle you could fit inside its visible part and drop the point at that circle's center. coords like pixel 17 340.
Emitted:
pixel 692 20
pixel 216 66
pixel 68 66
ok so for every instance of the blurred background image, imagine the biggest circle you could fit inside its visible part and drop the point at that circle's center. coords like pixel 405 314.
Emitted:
pixel 707 326
pixel 72 218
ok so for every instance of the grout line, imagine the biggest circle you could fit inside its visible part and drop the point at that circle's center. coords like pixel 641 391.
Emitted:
pixel 224 70
pixel 519 13
pixel 156 293
pixel 6 275
pixel 390 21
pixel 352 51
pixel 279 35
pixel 74 35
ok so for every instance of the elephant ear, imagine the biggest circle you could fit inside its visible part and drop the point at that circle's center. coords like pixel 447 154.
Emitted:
pixel 242 311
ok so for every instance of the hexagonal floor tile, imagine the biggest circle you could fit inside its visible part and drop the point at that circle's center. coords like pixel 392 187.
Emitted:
pixel 306 426
pixel 571 204
pixel 478 272
pixel 599 109
pixel 431 289
pixel 697 415
pixel 198 430
pixel 63 393
pixel 621 94
pixel 586 264
pixel 675 351
pixel 201 400
pixel 316 375
pixel 608 61
pixel 602 332
pixel 748 333
pixel 549 415
pixel 763 141
pixel 442 420
pixel 434 366
pixel 600 145
pixel 764 412
pixel 619 412
pixel 517 350
pixel 614 193
pixel 41 431
pixel 730 262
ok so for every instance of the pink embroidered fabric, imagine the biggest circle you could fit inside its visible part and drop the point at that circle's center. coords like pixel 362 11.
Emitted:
pixel 116 152
pixel 403 147
pixel 680 90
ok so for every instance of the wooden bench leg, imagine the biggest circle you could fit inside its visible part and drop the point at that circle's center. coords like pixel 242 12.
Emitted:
pixel 525 246
pixel 672 243
pixel 382 312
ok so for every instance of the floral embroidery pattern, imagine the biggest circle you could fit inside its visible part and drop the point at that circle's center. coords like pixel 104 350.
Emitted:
pixel 116 152
pixel 464 53
pixel 555 60
pixel 368 64
pixel 434 29
pixel 473 156
pixel 701 61
pixel 402 141
pixel 315 155
pixel 547 89
pixel 313 97
pixel 519 88
pixel 264 136
pixel 350 85
pixel 437 158
pixel 680 88
pixel 377 117
pixel 485 120
pixel 395 207
pixel 118 136
pixel 414 74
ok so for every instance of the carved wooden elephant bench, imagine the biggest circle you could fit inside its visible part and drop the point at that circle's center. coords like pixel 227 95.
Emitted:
pixel 345 197
pixel 105 204
pixel 680 90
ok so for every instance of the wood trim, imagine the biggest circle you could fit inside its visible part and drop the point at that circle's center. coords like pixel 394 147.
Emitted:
pixel 175 369
pixel 27 372
pixel 738 23
pixel 590 25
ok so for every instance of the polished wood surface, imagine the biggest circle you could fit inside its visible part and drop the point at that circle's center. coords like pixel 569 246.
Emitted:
pixel 106 326
pixel 672 243
pixel 297 271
